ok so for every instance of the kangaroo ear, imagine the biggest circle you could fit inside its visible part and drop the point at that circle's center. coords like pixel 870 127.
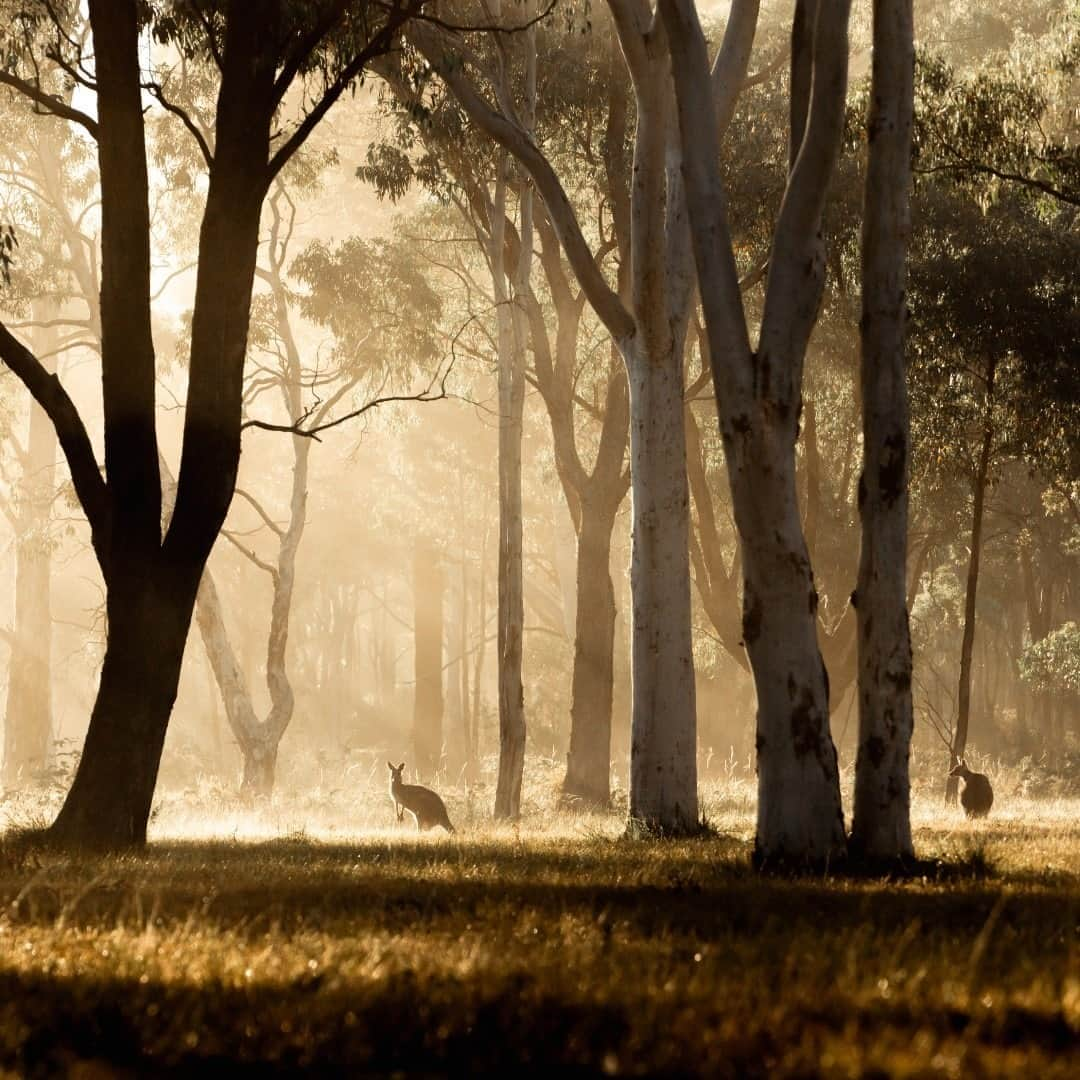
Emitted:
pixel 401 766
pixel 389 766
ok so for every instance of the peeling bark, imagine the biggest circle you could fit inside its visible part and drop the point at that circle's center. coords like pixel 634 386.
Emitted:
pixel 758 398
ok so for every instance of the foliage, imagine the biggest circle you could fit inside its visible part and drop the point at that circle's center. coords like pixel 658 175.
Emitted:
pixel 1053 664
pixel 376 299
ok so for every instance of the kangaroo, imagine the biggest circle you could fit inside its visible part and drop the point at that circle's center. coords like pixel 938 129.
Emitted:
pixel 424 805
pixel 977 796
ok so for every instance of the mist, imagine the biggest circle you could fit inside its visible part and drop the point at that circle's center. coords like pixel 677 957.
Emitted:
pixel 602 481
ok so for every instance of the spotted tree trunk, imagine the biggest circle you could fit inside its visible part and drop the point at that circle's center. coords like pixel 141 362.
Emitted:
pixel 881 825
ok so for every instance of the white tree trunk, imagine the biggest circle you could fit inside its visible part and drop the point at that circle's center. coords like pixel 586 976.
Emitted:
pixel 799 812
pixel 881 826
pixel 663 755
pixel 758 394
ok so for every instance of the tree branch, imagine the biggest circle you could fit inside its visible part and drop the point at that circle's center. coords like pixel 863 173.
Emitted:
pixel 605 301
pixel 378 45
pixel 156 91
pixel 49 102
pixel 732 61
pixel 249 554
pixel 48 392
pixel 254 503
pixel 315 430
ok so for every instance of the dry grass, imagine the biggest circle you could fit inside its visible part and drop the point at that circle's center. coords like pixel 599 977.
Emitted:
pixel 238 941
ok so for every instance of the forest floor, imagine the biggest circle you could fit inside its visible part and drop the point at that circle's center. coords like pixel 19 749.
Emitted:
pixel 238 944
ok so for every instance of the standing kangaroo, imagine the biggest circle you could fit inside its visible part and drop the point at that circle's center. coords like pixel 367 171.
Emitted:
pixel 424 805
pixel 977 796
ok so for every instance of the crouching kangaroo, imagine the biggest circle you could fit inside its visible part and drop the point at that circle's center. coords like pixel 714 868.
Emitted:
pixel 424 805
pixel 977 796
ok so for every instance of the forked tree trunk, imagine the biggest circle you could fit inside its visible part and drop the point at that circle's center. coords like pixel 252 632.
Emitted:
pixel 28 713
pixel 151 584
pixel 881 826
pixel 149 611
pixel 428 699
pixel 663 755
pixel 799 812
pixel 588 763
pixel 758 392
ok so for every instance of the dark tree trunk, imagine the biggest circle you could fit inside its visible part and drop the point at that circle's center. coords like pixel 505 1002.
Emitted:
pixel 967 644
pixel 428 700
pixel 151 586
pixel 108 807
pixel 588 764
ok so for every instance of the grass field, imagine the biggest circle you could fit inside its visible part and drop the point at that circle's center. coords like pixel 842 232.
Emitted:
pixel 238 942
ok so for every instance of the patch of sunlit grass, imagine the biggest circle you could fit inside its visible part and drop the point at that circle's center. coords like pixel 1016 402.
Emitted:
pixel 315 932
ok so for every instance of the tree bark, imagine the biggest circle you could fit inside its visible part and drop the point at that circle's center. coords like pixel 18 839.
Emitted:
pixel 151 586
pixel 588 763
pixel 881 826
pixel 758 394
pixel 108 806
pixel 663 737
pixel 967 643
pixel 511 599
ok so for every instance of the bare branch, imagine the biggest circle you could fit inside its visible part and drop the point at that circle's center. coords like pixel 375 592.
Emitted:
pixel 254 503
pixel 156 91
pixel 249 554
pixel 48 392
pixel 50 103
pixel 315 430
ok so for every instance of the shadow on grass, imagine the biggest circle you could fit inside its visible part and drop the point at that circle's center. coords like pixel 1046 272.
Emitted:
pixel 624 990
pixel 439 1025
pixel 704 889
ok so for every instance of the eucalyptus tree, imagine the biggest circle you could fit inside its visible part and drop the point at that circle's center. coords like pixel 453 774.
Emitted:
pixel 995 323
pixel 648 324
pixel 758 393
pixel 581 116
pixel 881 825
pixel 384 313
pixel 263 49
